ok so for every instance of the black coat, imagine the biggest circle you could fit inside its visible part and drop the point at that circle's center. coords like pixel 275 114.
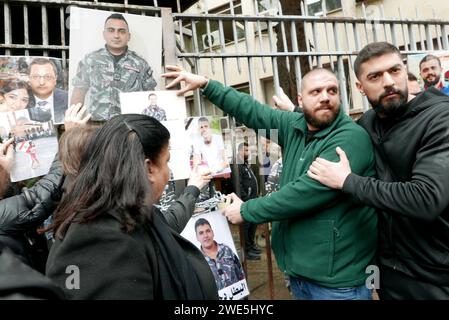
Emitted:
pixel 114 264
pixel 25 212
pixel 412 157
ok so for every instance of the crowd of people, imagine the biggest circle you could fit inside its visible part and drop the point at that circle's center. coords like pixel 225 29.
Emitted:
pixel 349 195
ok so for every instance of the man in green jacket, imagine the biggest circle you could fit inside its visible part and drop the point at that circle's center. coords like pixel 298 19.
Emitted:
pixel 321 238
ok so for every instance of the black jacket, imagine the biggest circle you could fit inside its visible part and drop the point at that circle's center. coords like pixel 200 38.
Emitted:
pixel 25 212
pixel 19 282
pixel 150 262
pixel 248 182
pixel 412 156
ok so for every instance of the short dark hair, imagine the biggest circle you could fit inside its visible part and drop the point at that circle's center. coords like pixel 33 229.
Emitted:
pixel 41 62
pixel 117 16
pixel 428 58
pixel 411 76
pixel 152 94
pixel 373 50
pixel 200 222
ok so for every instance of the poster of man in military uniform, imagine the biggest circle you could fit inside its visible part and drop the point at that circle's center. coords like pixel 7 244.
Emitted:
pixel 112 53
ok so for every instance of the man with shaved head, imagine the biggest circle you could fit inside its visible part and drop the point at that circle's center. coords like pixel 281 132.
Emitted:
pixel 322 239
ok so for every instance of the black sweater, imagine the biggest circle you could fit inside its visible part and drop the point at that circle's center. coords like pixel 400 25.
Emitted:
pixel 412 193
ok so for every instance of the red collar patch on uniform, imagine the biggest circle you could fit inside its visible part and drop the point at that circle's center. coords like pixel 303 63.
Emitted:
pixel 131 68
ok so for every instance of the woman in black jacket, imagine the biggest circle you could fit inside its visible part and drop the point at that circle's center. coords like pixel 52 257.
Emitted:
pixel 111 240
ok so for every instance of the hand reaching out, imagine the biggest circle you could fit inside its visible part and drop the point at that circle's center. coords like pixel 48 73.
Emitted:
pixel 283 102
pixel 199 179
pixel 75 116
pixel 192 81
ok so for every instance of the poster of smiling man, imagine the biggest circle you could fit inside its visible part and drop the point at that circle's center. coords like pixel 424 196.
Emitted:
pixel 210 232
pixel 112 53
pixel 431 69
pixel 207 146
pixel 37 84
pixel 35 144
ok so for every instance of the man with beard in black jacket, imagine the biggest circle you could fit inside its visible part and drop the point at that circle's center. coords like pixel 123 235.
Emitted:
pixel 411 139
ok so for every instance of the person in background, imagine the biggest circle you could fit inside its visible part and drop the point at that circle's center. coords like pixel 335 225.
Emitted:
pixel 431 72
pixel 248 190
pixel 413 85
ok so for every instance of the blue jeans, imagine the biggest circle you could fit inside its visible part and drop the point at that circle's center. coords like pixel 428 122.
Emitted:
pixel 307 290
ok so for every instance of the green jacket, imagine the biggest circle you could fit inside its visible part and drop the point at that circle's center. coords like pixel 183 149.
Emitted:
pixel 318 233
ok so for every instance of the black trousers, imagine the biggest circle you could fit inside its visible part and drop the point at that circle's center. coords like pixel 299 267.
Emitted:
pixel 249 234
pixel 395 285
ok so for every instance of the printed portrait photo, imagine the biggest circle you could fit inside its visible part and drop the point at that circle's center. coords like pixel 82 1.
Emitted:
pixel 207 148
pixel 112 53
pixel 37 84
pixel 430 69
pixel 163 105
pixel 210 232
pixel 170 110
pixel 35 144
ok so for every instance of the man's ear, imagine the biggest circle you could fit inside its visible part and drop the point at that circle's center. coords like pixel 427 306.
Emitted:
pixel 150 170
pixel 299 100
pixel 359 87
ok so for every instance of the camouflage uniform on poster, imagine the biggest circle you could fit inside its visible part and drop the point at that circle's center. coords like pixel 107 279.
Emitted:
pixel 274 178
pixel 105 76
pixel 226 267
pixel 155 112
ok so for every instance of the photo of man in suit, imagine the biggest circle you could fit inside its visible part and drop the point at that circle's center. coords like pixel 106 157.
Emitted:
pixel 50 102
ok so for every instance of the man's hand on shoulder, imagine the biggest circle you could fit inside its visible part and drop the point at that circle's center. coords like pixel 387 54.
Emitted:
pixel 331 174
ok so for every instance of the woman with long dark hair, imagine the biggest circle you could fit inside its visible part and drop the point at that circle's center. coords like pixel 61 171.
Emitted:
pixel 116 243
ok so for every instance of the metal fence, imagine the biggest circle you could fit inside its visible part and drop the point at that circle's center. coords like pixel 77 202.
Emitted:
pixel 238 42
pixel 331 42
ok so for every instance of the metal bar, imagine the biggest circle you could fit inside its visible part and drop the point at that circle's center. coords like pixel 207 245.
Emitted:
pixel 305 11
pixel 277 54
pixel 411 37
pixel 259 36
pixel 436 31
pixel 444 36
pixel 393 34
pixel 301 18
pixel 331 59
pixel 382 14
pixel 234 35
pixel 298 75
pixel 403 30
pixel 95 4
pixel 44 28
pixel 273 56
pixel 26 34
pixel 341 71
pixel 209 38
pixel 429 38
pixel 224 61
pixel 8 36
pixel 284 41
pixel 252 88
pixel 62 26
pixel 316 44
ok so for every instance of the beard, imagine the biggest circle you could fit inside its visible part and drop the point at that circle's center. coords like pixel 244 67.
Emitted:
pixel 323 122
pixel 432 83
pixel 394 107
